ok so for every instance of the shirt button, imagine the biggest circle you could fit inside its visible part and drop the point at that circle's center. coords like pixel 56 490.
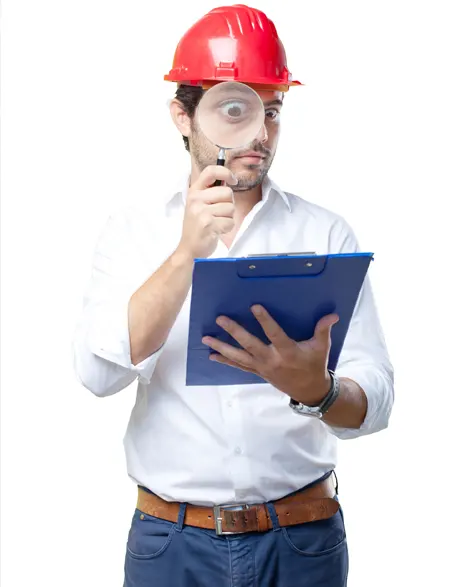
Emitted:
pixel 238 450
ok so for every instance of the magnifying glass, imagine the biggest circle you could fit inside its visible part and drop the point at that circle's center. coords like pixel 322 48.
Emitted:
pixel 230 115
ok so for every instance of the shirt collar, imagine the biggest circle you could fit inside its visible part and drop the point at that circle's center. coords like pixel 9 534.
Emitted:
pixel 268 187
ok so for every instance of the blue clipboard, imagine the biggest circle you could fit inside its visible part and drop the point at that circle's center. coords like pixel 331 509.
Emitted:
pixel 297 290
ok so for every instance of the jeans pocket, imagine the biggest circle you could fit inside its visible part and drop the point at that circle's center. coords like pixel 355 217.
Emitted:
pixel 317 538
pixel 149 537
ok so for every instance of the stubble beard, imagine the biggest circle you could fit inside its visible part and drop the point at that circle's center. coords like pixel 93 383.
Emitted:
pixel 204 155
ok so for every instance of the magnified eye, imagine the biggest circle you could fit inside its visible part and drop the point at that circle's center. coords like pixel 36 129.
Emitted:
pixel 233 110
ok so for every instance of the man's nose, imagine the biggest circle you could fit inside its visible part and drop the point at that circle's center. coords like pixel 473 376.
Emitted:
pixel 262 135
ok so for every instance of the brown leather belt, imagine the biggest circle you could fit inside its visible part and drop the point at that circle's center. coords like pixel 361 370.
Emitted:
pixel 314 503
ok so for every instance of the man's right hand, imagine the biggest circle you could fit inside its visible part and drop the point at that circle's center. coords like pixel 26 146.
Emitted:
pixel 209 212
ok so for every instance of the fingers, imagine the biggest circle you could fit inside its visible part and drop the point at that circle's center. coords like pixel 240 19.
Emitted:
pixel 223 361
pixel 275 333
pixel 217 194
pixel 247 341
pixel 224 210
pixel 211 174
pixel 219 218
pixel 322 332
pixel 230 352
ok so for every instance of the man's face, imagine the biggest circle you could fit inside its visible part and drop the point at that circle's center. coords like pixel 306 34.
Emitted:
pixel 251 170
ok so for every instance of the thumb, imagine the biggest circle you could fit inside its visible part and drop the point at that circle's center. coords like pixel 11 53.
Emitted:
pixel 322 332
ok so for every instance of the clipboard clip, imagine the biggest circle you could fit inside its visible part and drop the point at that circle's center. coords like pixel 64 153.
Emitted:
pixel 303 254
pixel 286 265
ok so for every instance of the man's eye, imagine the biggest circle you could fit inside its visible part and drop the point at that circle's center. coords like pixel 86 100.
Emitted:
pixel 272 114
pixel 234 110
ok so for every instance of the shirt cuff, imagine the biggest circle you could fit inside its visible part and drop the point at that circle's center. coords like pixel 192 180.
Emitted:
pixel 110 340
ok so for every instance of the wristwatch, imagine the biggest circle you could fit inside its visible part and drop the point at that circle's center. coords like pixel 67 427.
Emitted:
pixel 319 410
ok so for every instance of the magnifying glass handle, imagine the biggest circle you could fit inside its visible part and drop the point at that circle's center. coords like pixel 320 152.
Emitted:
pixel 221 162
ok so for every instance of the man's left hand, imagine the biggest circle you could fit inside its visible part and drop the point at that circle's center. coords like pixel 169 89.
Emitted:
pixel 298 369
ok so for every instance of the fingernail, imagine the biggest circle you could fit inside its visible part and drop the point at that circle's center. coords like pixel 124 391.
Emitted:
pixel 257 309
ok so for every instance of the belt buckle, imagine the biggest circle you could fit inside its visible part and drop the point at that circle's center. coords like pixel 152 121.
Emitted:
pixel 218 516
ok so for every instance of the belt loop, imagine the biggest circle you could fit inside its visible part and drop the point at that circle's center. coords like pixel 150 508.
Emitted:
pixel 273 517
pixel 182 513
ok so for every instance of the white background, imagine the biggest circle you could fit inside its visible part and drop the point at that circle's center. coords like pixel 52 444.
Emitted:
pixel 383 133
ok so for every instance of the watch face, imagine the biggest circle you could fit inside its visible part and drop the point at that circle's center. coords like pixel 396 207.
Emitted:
pixel 315 412
pixel 306 410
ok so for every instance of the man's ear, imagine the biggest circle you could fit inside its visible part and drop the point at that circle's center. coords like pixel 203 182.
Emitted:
pixel 180 118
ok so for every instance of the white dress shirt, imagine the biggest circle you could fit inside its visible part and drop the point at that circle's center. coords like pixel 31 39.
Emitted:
pixel 219 444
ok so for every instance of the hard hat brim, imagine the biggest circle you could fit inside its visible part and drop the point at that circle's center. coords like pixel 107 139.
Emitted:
pixel 276 85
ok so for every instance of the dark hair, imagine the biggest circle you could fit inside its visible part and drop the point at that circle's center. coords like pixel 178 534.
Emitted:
pixel 189 96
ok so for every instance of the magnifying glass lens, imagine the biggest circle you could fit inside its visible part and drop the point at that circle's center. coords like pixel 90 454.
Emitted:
pixel 230 115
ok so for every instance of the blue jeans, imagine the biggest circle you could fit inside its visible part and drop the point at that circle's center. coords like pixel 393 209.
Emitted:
pixel 166 554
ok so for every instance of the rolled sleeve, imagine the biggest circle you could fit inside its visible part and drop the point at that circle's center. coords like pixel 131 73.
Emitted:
pixel 365 359
pixel 101 344
pixel 378 388
pixel 110 340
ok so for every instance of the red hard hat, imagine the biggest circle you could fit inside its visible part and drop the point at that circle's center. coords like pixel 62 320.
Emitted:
pixel 232 43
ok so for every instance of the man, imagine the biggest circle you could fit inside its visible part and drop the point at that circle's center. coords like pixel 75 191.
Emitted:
pixel 234 487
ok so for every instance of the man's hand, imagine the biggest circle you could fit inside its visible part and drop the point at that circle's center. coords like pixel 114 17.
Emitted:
pixel 209 212
pixel 298 369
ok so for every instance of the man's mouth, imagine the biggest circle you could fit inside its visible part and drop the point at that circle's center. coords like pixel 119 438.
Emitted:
pixel 251 157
